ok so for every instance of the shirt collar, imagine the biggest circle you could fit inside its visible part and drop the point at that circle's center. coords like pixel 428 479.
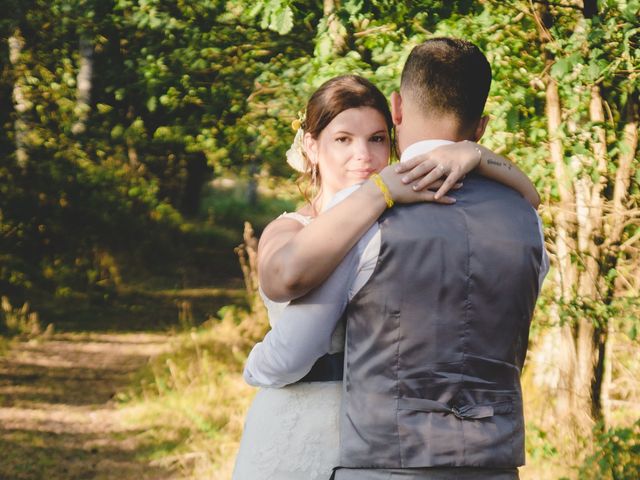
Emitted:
pixel 422 147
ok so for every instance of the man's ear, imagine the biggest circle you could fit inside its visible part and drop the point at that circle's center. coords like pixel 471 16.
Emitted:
pixel 396 108
pixel 482 126
pixel 310 145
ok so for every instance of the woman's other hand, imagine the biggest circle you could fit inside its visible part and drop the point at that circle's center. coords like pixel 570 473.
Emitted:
pixel 448 164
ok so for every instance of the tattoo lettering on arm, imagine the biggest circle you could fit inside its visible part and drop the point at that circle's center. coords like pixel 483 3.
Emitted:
pixel 498 163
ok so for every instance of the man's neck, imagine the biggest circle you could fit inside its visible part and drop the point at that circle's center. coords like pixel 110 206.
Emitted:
pixel 417 128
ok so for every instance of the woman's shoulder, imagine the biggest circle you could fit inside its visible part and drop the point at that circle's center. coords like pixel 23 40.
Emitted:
pixel 283 228
pixel 297 216
pixel 304 215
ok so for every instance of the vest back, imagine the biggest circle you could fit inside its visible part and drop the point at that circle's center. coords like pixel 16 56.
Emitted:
pixel 437 338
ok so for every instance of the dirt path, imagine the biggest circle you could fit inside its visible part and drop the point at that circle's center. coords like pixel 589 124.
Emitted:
pixel 57 414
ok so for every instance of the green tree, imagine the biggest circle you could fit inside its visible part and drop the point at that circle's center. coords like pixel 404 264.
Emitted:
pixel 118 113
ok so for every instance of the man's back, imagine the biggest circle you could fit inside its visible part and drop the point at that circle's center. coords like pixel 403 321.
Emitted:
pixel 437 337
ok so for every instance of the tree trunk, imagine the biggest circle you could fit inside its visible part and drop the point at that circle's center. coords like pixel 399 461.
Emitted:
pixel 252 186
pixel 570 345
pixel 613 232
pixel 623 173
pixel 20 103
pixel 591 287
pixel 197 173
pixel 336 30
pixel 589 226
pixel 84 81
pixel 568 351
pixel 565 243
pixel 607 377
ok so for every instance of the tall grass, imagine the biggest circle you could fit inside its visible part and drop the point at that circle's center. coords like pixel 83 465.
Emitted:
pixel 190 403
pixel 19 322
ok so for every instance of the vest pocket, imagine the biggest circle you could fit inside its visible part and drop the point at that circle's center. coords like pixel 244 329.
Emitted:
pixel 463 427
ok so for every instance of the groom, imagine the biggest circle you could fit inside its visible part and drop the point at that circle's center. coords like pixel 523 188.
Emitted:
pixel 436 337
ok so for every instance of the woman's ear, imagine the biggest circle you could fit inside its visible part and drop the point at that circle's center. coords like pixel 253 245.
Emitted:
pixel 310 145
pixel 396 108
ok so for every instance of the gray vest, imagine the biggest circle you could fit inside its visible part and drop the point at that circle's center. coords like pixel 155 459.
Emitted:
pixel 437 338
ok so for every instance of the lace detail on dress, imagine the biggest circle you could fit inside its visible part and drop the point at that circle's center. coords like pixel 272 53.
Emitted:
pixel 291 434
pixel 303 219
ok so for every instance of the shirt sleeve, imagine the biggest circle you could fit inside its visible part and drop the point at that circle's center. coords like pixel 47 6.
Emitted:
pixel 302 333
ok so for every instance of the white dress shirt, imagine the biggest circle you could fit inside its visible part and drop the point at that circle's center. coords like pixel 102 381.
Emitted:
pixel 302 332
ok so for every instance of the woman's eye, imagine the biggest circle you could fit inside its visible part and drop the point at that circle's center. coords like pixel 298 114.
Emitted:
pixel 341 139
pixel 378 138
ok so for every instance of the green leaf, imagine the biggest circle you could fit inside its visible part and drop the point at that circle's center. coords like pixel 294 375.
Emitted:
pixel 257 8
pixel 282 20
pixel 152 104
pixel 353 7
pixel 560 68
pixel 103 108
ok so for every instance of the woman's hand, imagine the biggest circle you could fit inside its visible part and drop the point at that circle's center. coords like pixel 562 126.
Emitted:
pixel 402 192
pixel 451 161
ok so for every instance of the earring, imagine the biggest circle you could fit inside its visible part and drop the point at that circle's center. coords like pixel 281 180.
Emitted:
pixel 314 175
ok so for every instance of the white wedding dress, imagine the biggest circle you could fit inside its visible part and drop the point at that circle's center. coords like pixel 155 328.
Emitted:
pixel 291 433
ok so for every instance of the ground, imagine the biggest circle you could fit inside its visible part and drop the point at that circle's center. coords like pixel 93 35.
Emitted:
pixel 58 416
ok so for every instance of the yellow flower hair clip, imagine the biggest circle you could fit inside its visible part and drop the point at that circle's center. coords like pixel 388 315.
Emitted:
pixel 299 122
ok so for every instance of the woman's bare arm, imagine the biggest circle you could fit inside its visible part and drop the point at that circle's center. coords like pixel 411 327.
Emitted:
pixel 491 165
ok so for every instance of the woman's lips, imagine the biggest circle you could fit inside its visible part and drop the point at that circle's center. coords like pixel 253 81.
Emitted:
pixel 363 172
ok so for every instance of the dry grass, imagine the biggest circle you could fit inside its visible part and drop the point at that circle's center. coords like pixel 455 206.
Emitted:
pixel 557 451
pixel 192 401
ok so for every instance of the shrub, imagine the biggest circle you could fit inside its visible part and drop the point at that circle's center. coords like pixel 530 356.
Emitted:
pixel 616 457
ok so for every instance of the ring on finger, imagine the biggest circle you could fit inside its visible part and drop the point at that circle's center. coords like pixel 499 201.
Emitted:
pixel 440 168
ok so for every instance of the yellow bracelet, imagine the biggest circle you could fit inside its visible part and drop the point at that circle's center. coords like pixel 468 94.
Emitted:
pixel 377 179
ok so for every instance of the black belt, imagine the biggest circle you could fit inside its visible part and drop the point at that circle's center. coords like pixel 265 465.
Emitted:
pixel 328 368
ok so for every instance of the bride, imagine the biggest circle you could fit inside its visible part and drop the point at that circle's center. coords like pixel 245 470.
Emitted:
pixel 345 139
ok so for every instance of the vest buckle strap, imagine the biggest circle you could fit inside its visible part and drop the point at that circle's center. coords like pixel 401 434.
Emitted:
pixel 463 412
pixel 472 412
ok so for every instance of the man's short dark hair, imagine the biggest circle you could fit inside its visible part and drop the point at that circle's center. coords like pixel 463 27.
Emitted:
pixel 448 75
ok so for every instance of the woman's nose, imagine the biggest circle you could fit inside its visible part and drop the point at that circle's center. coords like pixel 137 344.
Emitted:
pixel 363 150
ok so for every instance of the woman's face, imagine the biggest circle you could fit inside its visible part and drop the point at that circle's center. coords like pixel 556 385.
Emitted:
pixel 354 145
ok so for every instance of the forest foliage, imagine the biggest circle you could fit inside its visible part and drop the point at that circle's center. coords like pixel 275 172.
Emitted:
pixel 116 113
